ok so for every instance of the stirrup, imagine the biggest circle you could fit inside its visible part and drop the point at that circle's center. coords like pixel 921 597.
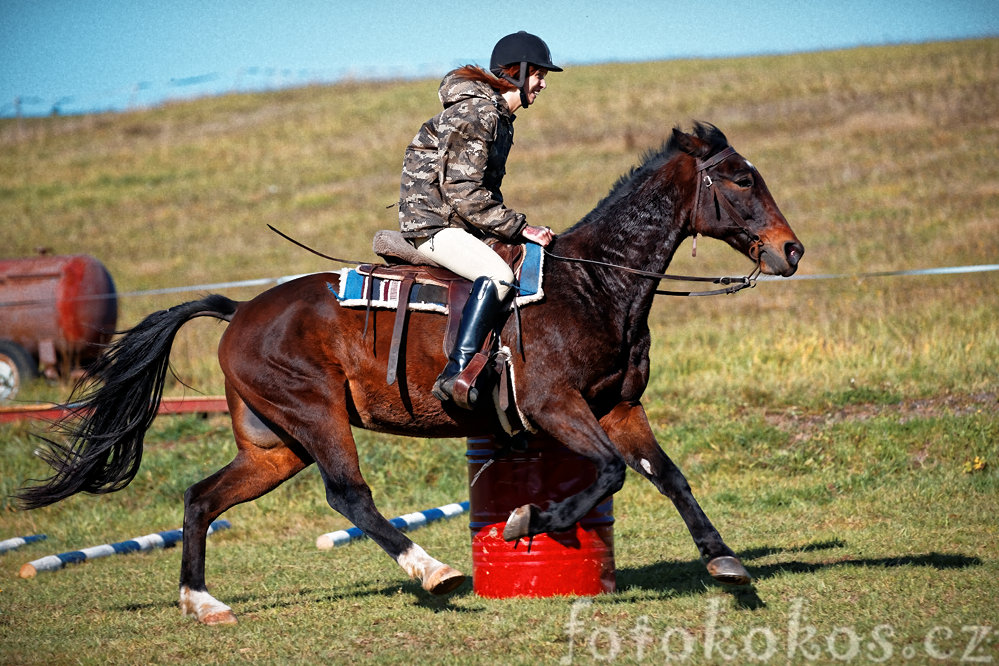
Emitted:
pixel 460 386
pixel 444 391
pixel 443 388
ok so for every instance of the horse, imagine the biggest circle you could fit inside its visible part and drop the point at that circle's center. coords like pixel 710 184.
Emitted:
pixel 301 371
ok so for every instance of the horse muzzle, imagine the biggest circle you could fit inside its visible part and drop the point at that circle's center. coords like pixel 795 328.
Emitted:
pixel 781 259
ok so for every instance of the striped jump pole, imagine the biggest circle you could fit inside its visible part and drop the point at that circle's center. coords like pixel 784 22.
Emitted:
pixel 17 542
pixel 408 522
pixel 148 542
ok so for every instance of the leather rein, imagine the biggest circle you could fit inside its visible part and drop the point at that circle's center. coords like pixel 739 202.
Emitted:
pixel 732 284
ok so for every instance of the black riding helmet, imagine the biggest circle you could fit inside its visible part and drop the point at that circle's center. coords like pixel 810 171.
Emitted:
pixel 521 48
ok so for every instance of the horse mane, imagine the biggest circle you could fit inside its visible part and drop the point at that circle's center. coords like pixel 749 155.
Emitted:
pixel 652 160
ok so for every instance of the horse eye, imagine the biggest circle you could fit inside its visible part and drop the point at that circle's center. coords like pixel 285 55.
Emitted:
pixel 745 182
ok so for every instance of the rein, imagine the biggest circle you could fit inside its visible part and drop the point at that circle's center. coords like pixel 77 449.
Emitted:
pixel 733 284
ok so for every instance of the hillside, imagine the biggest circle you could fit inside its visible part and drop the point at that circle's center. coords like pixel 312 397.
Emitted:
pixel 881 158
pixel 900 135
pixel 842 434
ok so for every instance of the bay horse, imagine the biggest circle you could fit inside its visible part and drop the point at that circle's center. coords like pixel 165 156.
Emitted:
pixel 300 372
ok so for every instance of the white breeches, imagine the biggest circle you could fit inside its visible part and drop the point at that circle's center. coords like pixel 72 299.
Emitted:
pixel 461 252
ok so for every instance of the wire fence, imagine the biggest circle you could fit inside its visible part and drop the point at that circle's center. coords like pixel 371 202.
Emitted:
pixel 943 270
pixel 270 281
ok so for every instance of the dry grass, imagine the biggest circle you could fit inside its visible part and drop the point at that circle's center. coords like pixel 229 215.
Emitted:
pixel 881 158
pixel 828 427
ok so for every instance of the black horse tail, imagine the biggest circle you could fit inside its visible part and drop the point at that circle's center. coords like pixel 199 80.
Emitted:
pixel 112 407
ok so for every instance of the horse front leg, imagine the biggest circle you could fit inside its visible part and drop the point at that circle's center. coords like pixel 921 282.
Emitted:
pixel 353 499
pixel 574 426
pixel 628 427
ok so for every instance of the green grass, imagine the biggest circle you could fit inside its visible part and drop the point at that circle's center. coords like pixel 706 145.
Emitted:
pixel 861 519
pixel 829 428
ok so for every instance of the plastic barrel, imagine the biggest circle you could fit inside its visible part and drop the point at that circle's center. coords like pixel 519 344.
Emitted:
pixel 579 561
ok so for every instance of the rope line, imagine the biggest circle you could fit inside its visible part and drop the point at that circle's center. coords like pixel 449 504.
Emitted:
pixel 262 282
pixel 945 270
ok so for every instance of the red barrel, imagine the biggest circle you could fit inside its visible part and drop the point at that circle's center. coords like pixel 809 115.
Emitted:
pixel 579 561
pixel 63 305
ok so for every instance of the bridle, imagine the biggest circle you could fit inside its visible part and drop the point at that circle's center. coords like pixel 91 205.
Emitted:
pixel 703 166
pixel 733 284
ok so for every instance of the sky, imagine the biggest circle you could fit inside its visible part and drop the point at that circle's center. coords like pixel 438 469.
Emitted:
pixel 74 56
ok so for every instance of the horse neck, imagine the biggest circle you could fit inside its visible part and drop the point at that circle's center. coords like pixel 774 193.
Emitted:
pixel 640 228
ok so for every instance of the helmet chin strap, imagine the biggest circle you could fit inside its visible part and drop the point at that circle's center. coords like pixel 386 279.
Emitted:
pixel 521 83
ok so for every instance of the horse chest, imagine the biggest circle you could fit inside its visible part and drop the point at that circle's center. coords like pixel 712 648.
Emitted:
pixel 612 358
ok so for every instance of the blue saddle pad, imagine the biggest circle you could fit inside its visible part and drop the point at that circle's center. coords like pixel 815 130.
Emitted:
pixel 360 290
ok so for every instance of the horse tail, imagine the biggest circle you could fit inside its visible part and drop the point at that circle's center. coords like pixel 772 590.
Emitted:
pixel 113 405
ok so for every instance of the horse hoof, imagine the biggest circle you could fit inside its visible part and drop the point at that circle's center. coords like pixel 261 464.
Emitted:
pixel 223 617
pixel 519 523
pixel 729 570
pixel 444 581
pixel 204 607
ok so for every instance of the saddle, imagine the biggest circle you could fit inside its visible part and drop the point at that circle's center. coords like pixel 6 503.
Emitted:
pixel 410 281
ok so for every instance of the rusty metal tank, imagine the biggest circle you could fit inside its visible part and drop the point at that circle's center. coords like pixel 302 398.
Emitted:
pixel 55 311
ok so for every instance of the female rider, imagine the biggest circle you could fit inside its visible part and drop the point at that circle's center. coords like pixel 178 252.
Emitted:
pixel 450 198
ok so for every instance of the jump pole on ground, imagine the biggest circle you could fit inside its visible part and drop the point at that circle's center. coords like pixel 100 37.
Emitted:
pixel 17 542
pixel 148 542
pixel 405 523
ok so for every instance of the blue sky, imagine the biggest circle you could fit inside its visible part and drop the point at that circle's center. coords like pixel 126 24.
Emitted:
pixel 102 54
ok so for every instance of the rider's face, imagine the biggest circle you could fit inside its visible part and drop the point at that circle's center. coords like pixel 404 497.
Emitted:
pixel 535 84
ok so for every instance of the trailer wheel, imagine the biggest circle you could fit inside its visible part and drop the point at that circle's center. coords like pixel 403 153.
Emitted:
pixel 16 367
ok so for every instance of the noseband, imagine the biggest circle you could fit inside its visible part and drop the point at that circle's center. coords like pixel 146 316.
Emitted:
pixel 721 201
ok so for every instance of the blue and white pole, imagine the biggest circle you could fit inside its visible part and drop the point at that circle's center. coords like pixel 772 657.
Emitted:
pixel 408 522
pixel 17 542
pixel 148 542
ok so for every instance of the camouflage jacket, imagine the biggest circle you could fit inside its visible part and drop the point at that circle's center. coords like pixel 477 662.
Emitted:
pixel 455 164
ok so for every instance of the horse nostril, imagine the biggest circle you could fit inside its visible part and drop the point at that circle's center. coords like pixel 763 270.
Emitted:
pixel 793 251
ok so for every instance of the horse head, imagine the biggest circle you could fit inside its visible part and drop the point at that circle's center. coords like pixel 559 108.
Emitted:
pixel 732 203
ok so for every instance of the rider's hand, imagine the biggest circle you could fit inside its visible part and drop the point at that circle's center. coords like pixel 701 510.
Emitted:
pixel 540 235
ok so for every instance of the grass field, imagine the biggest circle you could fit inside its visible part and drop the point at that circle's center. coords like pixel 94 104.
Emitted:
pixel 842 434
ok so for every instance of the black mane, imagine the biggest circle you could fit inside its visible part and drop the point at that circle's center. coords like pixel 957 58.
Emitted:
pixel 653 159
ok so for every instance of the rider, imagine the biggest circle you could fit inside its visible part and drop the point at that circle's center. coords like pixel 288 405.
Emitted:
pixel 450 199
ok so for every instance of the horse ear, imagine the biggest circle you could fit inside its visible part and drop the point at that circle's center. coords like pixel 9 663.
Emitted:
pixel 690 144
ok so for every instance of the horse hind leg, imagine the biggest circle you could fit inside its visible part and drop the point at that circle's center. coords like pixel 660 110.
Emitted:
pixel 348 494
pixel 262 463
pixel 353 500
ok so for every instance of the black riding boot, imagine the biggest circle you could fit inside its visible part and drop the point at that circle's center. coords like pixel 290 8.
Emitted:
pixel 477 319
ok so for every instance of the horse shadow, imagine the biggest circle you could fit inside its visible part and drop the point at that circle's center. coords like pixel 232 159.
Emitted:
pixel 412 589
pixel 690 577
pixel 250 603
pixel 667 578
